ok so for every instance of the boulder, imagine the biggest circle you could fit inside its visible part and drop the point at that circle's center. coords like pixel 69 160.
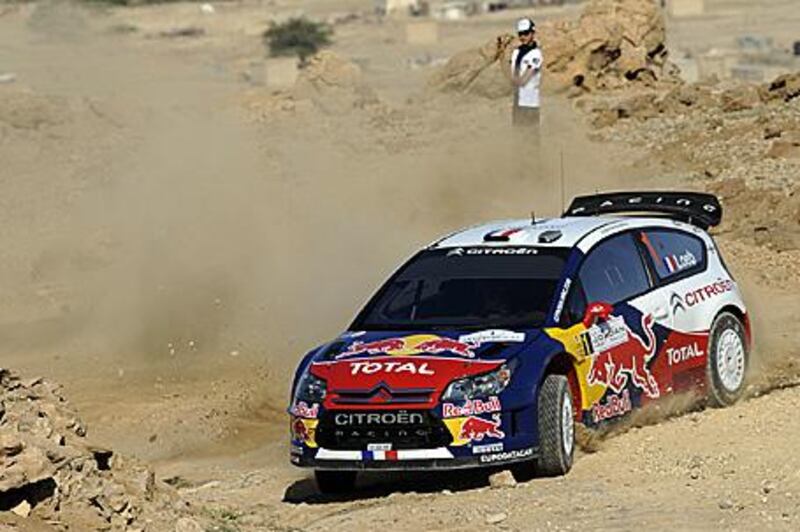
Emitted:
pixel 333 83
pixel 10 445
pixel 694 95
pixel 740 98
pixel 787 146
pixel 614 42
pixel 785 87
pixel 641 106
pixel 327 83
pixel 604 118
pixel 28 467
pixel 502 479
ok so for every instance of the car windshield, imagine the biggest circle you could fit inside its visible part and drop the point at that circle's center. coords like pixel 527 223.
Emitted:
pixel 477 287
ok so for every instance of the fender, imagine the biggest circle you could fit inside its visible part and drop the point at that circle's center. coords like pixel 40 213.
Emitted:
pixel 570 340
pixel 523 391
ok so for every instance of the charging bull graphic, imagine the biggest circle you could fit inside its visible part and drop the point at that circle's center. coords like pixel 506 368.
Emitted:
pixel 374 348
pixel 411 345
pixel 300 431
pixel 476 428
pixel 304 431
pixel 442 345
pixel 630 359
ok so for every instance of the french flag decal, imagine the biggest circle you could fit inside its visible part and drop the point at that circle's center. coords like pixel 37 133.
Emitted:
pixel 672 264
pixel 380 455
pixel 502 235
pixel 405 454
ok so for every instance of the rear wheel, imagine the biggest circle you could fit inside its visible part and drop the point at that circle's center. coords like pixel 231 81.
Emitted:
pixel 727 360
pixel 556 426
pixel 335 482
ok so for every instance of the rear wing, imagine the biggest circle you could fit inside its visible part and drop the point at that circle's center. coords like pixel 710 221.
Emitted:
pixel 696 208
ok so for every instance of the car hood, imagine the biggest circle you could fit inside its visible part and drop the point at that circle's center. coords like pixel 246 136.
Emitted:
pixel 384 369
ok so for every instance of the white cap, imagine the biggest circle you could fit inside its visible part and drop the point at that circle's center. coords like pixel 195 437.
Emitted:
pixel 525 24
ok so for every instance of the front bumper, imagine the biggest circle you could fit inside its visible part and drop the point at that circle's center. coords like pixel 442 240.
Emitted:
pixel 479 433
pixel 434 444
pixel 407 460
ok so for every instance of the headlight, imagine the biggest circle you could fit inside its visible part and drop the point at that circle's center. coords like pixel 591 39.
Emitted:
pixel 480 386
pixel 310 389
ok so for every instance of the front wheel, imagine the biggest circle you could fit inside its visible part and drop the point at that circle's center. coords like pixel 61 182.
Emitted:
pixel 556 426
pixel 335 482
pixel 727 360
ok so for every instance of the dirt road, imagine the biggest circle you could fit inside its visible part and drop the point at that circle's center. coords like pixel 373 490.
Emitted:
pixel 712 469
pixel 175 235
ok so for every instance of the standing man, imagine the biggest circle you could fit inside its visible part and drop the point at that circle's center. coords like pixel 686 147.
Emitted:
pixel 526 75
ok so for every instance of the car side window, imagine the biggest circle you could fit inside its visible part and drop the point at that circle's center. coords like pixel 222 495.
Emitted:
pixel 673 253
pixel 614 271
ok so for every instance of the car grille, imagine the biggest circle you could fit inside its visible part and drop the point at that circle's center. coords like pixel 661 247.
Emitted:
pixel 382 394
pixel 425 431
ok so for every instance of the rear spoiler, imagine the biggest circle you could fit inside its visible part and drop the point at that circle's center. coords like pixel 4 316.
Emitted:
pixel 696 208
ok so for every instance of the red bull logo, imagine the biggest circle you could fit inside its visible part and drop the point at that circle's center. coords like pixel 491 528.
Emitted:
pixel 615 366
pixel 615 406
pixel 476 428
pixel 299 431
pixel 302 409
pixel 304 431
pixel 471 407
pixel 411 345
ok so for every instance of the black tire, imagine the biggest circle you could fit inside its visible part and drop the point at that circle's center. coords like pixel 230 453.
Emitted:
pixel 335 482
pixel 556 449
pixel 719 394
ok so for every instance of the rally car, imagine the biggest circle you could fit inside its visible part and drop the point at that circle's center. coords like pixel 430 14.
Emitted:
pixel 488 345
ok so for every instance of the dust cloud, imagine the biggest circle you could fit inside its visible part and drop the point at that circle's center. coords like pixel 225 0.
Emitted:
pixel 186 238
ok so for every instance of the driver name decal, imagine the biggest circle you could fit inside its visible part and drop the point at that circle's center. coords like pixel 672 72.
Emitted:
pixel 605 335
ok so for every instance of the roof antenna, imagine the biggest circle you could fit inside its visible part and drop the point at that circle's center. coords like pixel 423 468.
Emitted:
pixel 561 154
pixel 533 217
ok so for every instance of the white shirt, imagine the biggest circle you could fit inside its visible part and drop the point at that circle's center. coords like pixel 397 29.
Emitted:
pixel 528 94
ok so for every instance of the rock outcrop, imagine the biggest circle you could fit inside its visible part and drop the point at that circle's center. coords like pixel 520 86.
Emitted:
pixel 614 43
pixel 49 471
pixel 707 98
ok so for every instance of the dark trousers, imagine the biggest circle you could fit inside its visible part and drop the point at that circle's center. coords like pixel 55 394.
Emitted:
pixel 525 116
pixel 526 139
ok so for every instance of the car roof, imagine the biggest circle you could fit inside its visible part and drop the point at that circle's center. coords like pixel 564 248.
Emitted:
pixel 564 232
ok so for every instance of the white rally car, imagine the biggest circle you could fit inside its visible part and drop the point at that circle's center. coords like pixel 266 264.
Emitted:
pixel 488 345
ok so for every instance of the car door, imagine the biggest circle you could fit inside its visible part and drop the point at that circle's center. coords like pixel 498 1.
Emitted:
pixel 625 317
pixel 679 260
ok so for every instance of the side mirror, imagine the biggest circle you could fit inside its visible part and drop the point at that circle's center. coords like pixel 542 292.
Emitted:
pixel 595 311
